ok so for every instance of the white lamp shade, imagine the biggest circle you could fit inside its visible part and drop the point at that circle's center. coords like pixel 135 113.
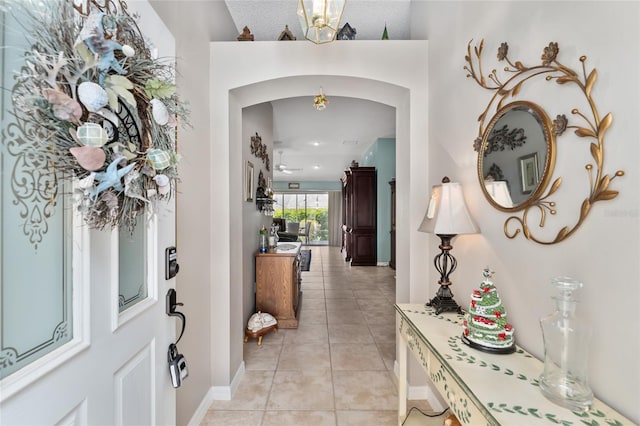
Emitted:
pixel 447 213
pixel 320 19
pixel 499 192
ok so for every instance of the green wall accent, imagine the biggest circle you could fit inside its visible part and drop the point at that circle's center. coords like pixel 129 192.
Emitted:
pixel 382 156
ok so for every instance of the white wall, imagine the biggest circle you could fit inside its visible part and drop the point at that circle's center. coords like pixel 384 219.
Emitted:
pixel 255 119
pixel 604 252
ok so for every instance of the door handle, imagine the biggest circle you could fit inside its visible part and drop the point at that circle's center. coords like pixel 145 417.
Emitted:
pixel 177 362
pixel 172 305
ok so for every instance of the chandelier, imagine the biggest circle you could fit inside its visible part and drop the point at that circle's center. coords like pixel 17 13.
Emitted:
pixel 320 19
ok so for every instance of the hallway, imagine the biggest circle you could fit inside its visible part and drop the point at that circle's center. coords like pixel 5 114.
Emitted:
pixel 337 367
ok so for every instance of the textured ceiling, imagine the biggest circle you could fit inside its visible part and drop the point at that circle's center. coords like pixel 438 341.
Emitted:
pixel 267 18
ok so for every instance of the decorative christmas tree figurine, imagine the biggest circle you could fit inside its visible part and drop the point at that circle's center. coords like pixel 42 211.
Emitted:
pixel 485 325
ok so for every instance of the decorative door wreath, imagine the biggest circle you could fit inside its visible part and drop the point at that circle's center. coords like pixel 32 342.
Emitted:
pixel 91 103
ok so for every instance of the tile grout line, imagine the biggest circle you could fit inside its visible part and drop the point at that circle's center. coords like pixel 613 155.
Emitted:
pixel 333 382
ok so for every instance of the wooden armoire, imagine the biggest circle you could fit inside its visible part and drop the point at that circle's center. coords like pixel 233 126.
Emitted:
pixel 392 232
pixel 359 207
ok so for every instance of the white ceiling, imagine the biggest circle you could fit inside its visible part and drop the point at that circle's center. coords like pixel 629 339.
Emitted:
pixel 347 127
pixel 323 143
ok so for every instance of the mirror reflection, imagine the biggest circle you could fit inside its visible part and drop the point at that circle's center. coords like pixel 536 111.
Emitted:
pixel 515 157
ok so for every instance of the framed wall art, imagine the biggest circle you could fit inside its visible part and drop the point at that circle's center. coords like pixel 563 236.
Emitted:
pixel 529 176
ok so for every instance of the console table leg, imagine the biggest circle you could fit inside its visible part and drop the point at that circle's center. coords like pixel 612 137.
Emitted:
pixel 402 380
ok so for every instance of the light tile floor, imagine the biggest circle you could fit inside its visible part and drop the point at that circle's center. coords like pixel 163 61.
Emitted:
pixel 336 368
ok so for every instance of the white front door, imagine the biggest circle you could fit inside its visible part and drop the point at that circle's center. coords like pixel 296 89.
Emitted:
pixel 84 332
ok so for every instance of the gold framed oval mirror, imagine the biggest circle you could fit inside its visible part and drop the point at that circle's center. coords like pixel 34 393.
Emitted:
pixel 518 182
pixel 516 156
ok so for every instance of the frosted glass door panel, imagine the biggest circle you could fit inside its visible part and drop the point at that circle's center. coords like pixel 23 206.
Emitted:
pixel 36 304
pixel 35 233
pixel 133 266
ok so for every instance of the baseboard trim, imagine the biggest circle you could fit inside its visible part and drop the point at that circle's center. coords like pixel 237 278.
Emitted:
pixel 201 411
pixel 424 392
pixel 217 393
pixel 225 393
pixel 382 264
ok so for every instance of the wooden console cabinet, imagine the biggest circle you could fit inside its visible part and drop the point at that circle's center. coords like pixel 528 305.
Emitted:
pixel 278 280
pixel 481 388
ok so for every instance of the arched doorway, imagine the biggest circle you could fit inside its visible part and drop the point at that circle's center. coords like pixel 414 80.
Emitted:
pixel 293 69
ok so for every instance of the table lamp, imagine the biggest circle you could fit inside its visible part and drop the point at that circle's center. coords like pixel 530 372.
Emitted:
pixel 446 216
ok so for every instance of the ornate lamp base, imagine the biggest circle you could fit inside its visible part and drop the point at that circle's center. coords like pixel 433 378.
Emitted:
pixel 443 302
pixel 445 263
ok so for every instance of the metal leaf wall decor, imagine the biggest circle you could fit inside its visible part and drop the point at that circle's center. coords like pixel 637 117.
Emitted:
pixel 260 150
pixel 589 126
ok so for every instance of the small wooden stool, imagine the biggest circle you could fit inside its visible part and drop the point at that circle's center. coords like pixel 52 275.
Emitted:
pixel 248 333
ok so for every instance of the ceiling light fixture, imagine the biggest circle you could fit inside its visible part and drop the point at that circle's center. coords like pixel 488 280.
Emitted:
pixel 320 101
pixel 320 19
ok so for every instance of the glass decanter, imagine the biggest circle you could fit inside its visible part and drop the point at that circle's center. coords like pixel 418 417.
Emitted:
pixel 566 345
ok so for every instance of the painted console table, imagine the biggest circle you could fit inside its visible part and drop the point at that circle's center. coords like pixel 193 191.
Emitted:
pixel 481 388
